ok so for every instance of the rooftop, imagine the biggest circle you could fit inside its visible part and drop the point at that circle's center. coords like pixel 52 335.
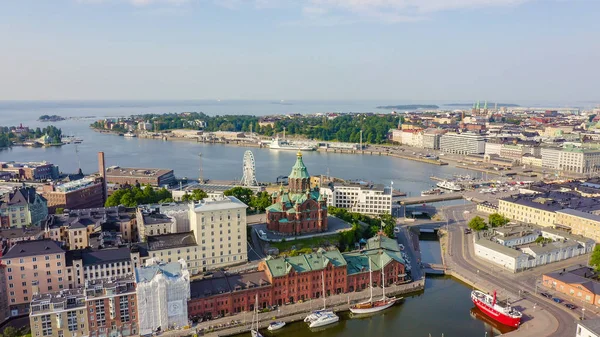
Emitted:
pixel 116 171
pixel 75 185
pixel 219 204
pixel 585 215
pixel 173 240
pixel 223 283
pixel 305 263
pixel 63 300
pixel 156 218
pixel 20 233
pixel 33 247
pixel 592 325
pixel 91 257
pixel 580 276
pixel 170 270
pixel 498 247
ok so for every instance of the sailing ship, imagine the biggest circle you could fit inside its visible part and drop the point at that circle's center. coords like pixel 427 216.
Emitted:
pixel 321 317
pixel 370 306
pixel 254 330
pixel 500 312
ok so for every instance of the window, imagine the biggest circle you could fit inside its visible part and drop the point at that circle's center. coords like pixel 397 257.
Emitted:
pixel 72 320
pixel 46 325
pixel 124 309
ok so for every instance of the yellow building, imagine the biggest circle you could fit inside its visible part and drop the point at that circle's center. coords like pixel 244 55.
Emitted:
pixel 59 314
pixel 178 246
pixel 580 223
pixel 538 211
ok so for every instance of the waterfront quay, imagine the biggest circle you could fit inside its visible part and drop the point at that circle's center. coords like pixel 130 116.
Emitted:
pixel 240 323
pixel 541 316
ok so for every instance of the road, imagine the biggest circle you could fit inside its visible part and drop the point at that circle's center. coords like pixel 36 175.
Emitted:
pixel 462 255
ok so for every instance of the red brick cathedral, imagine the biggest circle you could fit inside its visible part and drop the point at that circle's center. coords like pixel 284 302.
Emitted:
pixel 300 209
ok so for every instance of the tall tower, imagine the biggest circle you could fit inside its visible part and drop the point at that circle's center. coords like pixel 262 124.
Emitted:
pixel 299 179
pixel 102 172
pixel 485 108
pixel 478 109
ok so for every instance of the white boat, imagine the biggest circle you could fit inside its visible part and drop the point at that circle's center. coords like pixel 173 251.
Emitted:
pixel 370 306
pixel 321 316
pixel 325 319
pixel 275 326
pixel 449 185
pixel 254 329
pixel 282 144
pixel 316 314
pixel 130 135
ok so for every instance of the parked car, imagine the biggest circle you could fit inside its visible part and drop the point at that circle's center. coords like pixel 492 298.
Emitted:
pixel 557 300
pixel 570 306
pixel 546 295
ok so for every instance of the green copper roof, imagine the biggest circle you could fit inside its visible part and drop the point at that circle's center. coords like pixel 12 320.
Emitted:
pixel 305 263
pixel 299 169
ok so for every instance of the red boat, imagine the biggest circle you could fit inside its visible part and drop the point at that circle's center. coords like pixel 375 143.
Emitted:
pixel 502 313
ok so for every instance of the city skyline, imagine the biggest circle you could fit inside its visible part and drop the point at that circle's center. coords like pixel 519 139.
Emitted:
pixel 267 49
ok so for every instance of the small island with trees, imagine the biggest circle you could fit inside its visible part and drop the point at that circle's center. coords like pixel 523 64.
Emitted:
pixel 22 135
pixel 51 118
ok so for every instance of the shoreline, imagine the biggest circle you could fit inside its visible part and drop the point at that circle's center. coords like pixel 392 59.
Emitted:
pixel 240 143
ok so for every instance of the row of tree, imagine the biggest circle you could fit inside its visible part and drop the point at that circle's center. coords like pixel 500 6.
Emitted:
pixel 494 220
pixel 344 128
pixel 137 195
pixel 363 226
pixel 257 202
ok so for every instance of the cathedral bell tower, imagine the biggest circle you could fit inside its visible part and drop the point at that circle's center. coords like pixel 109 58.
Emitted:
pixel 299 179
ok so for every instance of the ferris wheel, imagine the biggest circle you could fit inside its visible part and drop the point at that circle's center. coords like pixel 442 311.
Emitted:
pixel 249 170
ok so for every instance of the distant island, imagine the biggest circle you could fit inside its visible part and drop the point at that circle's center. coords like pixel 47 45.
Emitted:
pixel 51 118
pixel 409 106
pixel 490 104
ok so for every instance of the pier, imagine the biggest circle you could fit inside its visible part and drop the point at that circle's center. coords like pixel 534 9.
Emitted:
pixel 430 198
pixel 434 269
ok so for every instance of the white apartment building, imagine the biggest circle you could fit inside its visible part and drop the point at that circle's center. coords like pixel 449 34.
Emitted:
pixel 493 148
pixel 151 222
pixel 360 198
pixel 550 157
pixel 462 143
pixel 219 226
pixel 578 160
pixel 412 138
pixel 431 140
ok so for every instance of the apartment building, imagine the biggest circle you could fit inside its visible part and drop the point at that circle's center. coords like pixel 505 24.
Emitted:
pixel 112 307
pixel 59 314
pixel 4 312
pixel 78 194
pixel 96 264
pixel 219 226
pixel 579 160
pixel 39 263
pixel 162 294
pixel 366 198
pixel 151 222
pixel 31 170
pixel 10 236
pixel 462 143
pixel 22 207
pixel 431 139
pixel 580 223
pixel 178 246
pixel 550 157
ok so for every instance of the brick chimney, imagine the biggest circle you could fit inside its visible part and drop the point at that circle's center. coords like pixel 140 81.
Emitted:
pixel 102 172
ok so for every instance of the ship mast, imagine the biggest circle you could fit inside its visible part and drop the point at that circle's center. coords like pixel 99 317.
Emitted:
pixel 323 281
pixel 370 280
pixel 382 275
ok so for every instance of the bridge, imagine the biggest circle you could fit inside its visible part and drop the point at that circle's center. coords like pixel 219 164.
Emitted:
pixel 430 198
pixel 434 269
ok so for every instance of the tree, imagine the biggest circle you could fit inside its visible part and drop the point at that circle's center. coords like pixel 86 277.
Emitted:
pixel 595 258
pixel 133 196
pixel 477 223
pixel 497 220
pixel 389 222
pixel 242 193
pixel 196 195
pixel 9 331
pixel 59 210
pixel 260 201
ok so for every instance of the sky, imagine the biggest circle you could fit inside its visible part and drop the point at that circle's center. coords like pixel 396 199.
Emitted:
pixel 416 50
